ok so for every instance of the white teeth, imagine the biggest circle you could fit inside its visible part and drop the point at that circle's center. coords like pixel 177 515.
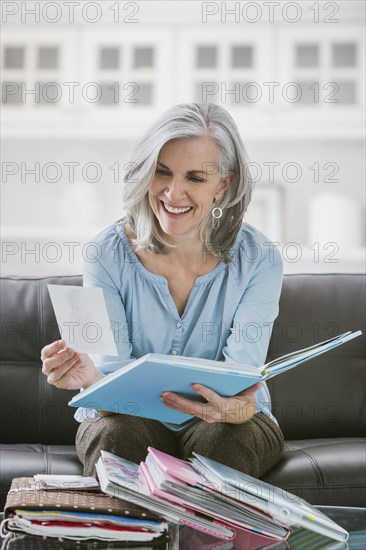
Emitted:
pixel 176 210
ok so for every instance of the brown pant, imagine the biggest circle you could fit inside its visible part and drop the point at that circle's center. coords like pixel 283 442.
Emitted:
pixel 253 447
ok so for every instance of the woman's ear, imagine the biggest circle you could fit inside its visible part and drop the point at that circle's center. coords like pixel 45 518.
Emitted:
pixel 225 184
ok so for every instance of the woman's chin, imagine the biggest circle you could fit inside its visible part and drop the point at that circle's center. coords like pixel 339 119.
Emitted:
pixel 173 229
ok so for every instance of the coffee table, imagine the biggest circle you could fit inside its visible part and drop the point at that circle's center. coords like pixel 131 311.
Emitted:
pixel 351 519
pixel 184 538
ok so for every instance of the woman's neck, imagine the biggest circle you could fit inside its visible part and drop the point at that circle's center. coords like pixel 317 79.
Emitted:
pixel 189 252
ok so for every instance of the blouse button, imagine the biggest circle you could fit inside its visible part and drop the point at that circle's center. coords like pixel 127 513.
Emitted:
pixel 174 352
pixel 179 325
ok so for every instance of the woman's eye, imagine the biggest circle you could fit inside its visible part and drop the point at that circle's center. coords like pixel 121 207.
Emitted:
pixel 191 178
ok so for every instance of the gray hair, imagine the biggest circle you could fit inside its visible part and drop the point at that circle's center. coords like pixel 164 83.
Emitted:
pixel 184 121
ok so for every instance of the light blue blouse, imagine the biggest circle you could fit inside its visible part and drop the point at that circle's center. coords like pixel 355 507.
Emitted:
pixel 228 317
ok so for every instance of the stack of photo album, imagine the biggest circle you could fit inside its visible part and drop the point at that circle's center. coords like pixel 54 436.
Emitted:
pixel 212 498
pixel 77 513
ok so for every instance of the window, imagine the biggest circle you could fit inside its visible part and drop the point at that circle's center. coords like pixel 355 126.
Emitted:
pixel 203 92
pixel 108 93
pixel 14 57
pixel 305 94
pixel 48 57
pixel 226 70
pixel 11 93
pixel 307 55
pixel 344 55
pixel 143 58
pixel 48 94
pixel 241 57
pixel 109 58
pixel 206 57
pixel 327 72
pixel 144 94
pixel 346 93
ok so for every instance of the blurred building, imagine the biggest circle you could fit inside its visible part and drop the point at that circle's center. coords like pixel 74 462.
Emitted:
pixel 77 95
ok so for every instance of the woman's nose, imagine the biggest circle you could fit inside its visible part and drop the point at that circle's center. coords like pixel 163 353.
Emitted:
pixel 175 189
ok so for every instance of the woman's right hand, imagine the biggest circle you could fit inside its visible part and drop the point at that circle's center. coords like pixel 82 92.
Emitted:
pixel 68 369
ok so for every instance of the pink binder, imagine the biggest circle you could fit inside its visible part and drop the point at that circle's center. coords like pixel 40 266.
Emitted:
pixel 182 472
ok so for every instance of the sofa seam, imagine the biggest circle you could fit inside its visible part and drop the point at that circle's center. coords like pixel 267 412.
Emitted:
pixel 25 450
pixel 315 467
pixel 323 274
pixel 328 486
pixel 66 276
pixel 49 459
pixel 333 442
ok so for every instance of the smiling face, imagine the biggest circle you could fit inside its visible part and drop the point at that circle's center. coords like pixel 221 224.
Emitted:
pixel 186 183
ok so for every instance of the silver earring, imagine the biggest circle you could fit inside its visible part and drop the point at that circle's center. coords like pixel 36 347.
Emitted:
pixel 216 215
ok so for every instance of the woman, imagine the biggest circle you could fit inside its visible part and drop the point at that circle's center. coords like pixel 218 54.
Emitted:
pixel 182 275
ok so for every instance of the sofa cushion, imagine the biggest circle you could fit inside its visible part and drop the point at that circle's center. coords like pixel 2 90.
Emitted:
pixel 324 471
pixel 33 411
pixel 25 460
pixel 324 397
pixel 28 321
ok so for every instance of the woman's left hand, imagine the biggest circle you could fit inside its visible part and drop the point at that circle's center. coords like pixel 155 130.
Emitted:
pixel 233 410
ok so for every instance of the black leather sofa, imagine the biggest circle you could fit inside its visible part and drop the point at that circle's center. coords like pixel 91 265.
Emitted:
pixel 320 405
